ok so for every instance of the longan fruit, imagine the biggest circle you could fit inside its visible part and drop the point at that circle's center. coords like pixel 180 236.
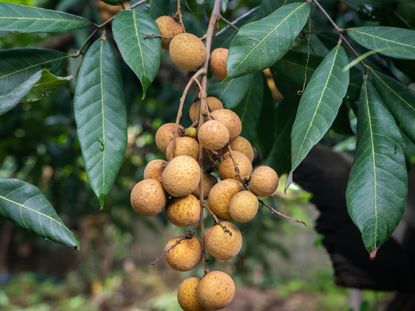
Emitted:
pixel 213 135
pixel 191 132
pixel 183 255
pixel 264 181
pixel 215 290
pixel 243 206
pixel 227 167
pixel 221 194
pixel 181 176
pixel 186 295
pixel 212 102
pixel 184 211
pixel 107 11
pixel 154 169
pixel 148 197
pixel 184 146
pixel 208 182
pixel 230 119
pixel 223 241
pixel 169 28
pixel 218 60
pixel 241 144
pixel 165 134
pixel 187 51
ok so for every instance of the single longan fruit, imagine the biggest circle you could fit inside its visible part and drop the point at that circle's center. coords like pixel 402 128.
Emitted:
pixel 235 165
pixel 154 169
pixel 230 119
pixel 186 295
pixel 264 181
pixel 191 132
pixel 187 51
pixel 165 134
pixel 208 182
pixel 212 102
pixel 223 241
pixel 215 290
pixel 184 211
pixel 148 197
pixel 169 28
pixel 221 194
pixel 111 10
pixel 213 135
pixel 241 144
pixel 243 206
pixel 184 146
pixel 181 176
pixel 218 60
pixel 183 254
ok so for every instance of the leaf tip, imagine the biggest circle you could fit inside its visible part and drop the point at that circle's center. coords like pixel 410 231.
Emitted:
pixel 288 181
pixel 101 201
pixel 373 253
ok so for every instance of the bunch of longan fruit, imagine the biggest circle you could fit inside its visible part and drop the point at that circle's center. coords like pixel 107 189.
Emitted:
pixel 208 167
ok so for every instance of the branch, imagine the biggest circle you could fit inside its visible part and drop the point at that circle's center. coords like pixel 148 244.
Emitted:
pixel 282 215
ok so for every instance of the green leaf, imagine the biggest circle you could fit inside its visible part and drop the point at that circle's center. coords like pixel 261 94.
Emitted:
pixel 20 18
pixel 18 65
pixel 377 188
pixel 400 101
pixel 260 44
pixel 389 41
pixel 249 110
pixel 230 91
pixel 26 206
pixel 319 104
pixel 35 87
pixel 159 8
pixel 141 55
pixel 100 115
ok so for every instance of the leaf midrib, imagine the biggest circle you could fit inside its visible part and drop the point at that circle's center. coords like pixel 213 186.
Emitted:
pixel 101 77
pixel 383 39
pixel 138 41
pixel 266 37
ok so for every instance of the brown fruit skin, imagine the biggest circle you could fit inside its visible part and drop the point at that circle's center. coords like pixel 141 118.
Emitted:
pixel 213 135
pixel 241 144
pixel 186 295
pixel 181 176
pixel 223 241
pixel 184 211
pixel 148 197
pixel 184 146
pixel 107 11
pixel 230 119
pixel 185 255
pixel 218 60
pixel 243 206
pixel 154 169
pixel 212 102
pixel 169 28
pixel 264 181
pixel 165 134
pixel 221 194
pixel 227 166
pixel 208 182
pixel 187 51
pixel 215 290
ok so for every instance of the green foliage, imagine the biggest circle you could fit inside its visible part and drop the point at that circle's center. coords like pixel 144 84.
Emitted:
pixel 101 116
pixel 230 91
pixel 377 188
pixel 26 206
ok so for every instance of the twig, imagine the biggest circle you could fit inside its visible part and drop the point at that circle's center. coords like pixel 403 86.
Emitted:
pixel 282 215
pixel 215 218
pixel 220 32
pixel 332 22
pixel 180 15
pixel 81 49
pixel 228 22
pixel 190 234
pixel 133 6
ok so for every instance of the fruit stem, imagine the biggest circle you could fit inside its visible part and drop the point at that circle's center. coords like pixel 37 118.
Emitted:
pixel 237 171
pixel 180 15
pixel 282 215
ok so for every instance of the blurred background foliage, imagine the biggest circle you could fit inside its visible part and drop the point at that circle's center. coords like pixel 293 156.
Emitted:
pixel 282 265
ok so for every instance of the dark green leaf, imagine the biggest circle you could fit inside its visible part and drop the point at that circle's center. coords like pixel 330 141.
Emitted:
pixel 400 101
pixel 230 91
pixel 37 86
pixel 26 206
pixel 100 114
pixel 159 8
pixel 20 18
pixel 249 109
pixel 18 65
pixel 377 187
pixel 389 41
pixel 319 104
pixel 260 44
pixel 142 55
